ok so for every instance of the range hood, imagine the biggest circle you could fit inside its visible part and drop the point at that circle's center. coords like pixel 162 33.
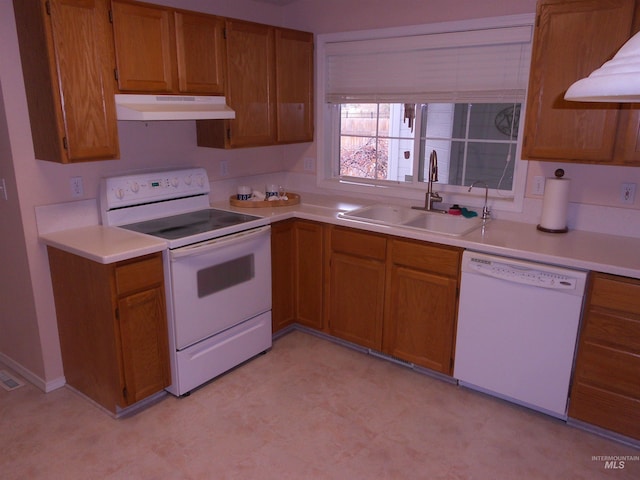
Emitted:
pixel 171 107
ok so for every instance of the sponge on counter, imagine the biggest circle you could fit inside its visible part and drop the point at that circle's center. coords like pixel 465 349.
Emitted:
pixel 466 213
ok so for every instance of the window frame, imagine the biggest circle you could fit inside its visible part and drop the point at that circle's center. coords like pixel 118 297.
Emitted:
pixel 328 129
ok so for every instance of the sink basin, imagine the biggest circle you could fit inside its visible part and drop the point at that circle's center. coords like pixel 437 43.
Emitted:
pixel 385 214
pixel 445 224
pixel 435 222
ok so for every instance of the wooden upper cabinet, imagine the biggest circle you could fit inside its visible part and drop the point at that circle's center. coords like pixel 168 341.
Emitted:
pixel 164 50
pixel 145 47
pixel 201 55
pixel 269 85
pixel 573 38
pixel 67 57
pixel 250 90
pixel 294 86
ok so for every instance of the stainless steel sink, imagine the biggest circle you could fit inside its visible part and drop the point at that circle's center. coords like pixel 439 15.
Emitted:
pixel 406 217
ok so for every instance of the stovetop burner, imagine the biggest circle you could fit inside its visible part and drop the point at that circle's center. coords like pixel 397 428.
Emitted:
pixel 188 224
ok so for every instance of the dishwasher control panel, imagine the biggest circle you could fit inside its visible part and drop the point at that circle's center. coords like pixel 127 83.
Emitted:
pixel 520 272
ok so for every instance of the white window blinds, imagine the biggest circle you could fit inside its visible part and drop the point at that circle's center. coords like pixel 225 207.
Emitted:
pixel 490 65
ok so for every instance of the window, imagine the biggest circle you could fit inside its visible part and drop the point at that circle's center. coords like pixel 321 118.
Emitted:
pixel 472 142
pixel 392 97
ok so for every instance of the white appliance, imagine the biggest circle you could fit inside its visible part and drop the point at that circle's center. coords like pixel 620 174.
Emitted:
pixel 217 269
pixel 517 330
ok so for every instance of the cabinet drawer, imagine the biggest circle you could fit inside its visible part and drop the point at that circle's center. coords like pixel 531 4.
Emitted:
pixel 610 369
pixel 357 243
pixel 616 293
pixel 139 274
pixel 605 409
pixel 604 328
pixel 426 256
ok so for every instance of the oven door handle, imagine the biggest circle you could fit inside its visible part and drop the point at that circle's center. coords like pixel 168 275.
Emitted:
pixel 217 243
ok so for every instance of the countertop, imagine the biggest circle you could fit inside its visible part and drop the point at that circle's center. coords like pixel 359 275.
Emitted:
pixel 583 250
pixel 104 244
pixel 577 249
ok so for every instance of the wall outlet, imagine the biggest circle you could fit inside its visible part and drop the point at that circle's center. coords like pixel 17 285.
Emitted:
pixel 628 193
pixel 224 168
pixel 309 164
pixel 538 185
pixel 77 189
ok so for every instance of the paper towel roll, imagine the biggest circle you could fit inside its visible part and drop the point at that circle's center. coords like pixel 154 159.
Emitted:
pixel 555 204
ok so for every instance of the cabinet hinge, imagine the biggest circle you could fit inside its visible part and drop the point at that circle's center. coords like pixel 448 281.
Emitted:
pixel 228 134
pixel 65 145
pixel 110 16
pixel 115 74
pixel 117 313
pixel 47 6
pixel 124 392
pixel 224 33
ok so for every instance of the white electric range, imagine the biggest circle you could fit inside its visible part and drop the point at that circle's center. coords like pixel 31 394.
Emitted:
pixel 217 269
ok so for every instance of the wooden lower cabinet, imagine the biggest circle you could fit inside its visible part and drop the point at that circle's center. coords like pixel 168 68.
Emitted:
pixel 297 273
pixel 421 303
pixel 112 326
pixel 356 286
pixel 606 383
pixel 282 275
pixel 394 295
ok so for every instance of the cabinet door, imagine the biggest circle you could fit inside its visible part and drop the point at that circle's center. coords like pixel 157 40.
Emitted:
pixel 201 53
pixel 628 139
pixel 308 273
pixel 144 345
pixel 356 300
pixel 421 303
pixel 571 40
pixel 145 47
pixel 282 274
pixel 420 318
pixel 294 74
pixel 251 83
pixel 356 286
pixel 67 57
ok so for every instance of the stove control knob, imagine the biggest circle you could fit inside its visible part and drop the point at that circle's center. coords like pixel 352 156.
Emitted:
pixel 175 181
pixel 119 193
pixel 200 180
pixel 135 187
pixel 187 180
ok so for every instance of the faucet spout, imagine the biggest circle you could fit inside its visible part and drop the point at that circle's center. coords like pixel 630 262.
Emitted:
pixel 432 197
pixel 485 210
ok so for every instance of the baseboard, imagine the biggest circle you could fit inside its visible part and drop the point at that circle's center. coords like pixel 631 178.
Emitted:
pixel 602 432
pixel 29 376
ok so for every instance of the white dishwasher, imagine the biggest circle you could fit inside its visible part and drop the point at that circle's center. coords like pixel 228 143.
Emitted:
pixel 517 330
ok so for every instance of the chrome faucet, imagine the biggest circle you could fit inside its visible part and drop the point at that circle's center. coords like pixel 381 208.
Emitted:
pixel 431 197
pixel 485 210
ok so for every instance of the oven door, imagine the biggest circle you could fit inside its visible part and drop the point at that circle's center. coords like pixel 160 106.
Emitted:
pixel 219 283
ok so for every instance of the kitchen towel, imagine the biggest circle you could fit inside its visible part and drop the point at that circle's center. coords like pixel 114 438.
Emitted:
pixel 555 204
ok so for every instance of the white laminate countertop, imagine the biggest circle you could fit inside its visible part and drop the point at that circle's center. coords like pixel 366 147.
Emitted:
pixel 583 250
pixel 577 249
pixel 104 244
